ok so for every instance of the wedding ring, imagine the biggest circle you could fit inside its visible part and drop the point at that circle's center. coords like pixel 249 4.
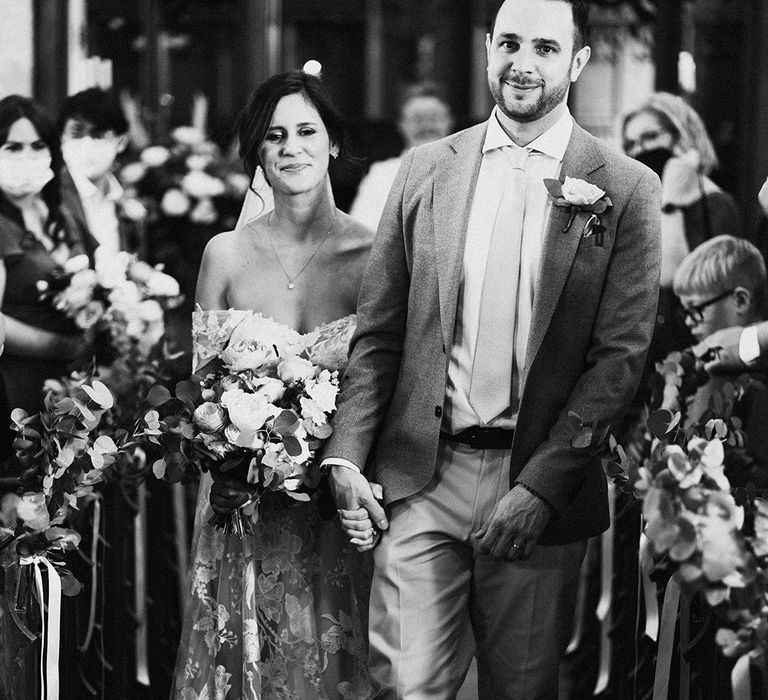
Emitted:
pixel 516 546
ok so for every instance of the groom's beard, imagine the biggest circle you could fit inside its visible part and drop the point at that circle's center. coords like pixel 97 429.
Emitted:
pixel 549 98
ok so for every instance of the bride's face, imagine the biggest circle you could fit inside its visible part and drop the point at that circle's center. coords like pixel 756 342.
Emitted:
pixel 296 149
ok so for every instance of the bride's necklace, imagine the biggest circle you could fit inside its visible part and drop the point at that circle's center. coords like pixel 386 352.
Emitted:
pixel 292 280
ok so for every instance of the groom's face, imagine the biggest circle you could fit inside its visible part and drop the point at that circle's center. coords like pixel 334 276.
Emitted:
pixel 531 57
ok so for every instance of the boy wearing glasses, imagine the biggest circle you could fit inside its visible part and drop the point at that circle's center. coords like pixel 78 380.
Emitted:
pixel 721 284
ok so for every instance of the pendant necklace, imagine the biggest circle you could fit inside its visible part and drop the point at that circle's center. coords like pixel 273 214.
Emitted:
pixel 292 280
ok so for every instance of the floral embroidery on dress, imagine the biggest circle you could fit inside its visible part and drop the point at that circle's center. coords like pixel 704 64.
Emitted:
pixel 279 615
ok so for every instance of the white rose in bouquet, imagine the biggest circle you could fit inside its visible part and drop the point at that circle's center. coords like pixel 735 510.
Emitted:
pixel 272 389
pixel 111 269
pixel 249 412
pixel 150 311
pixel 126 297
pixel 86 279
pixel 89 315
pixel 174 202
pixel 76 263
pixel 293 369
pixel 248 355
pixel 209 417
pixel 323 392
pixel 200 184
pixel 155 156
pixel 71 299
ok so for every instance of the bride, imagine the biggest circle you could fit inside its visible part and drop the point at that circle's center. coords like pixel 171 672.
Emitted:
pixel 275 615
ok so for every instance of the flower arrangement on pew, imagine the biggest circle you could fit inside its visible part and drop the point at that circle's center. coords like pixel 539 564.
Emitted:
pixel 256 411
pixel 61 456
pixel 188 180
pixel 123 300
pixel 704 515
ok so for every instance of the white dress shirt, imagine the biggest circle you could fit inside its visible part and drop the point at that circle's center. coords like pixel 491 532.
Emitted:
pixel 544 161
pixel 545 158
pixel 101 211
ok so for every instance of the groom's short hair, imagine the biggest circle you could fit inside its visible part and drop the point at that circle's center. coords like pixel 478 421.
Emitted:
pixel 580 10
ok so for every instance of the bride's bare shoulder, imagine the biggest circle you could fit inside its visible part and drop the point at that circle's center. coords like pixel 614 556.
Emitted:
pixel 227 243
pixel 355 236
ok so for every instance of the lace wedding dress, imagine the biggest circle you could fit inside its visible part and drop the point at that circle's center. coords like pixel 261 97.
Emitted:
pixel 280 614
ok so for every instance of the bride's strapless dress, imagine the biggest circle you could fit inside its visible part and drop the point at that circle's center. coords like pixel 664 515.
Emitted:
pixel 280 614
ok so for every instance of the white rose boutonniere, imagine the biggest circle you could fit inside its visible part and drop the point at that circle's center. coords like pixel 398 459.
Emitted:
pixel 580 196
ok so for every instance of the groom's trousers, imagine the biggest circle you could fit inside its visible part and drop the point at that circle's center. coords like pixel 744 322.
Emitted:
pixel 432 591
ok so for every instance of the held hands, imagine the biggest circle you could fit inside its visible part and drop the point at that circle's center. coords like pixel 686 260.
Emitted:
pixel 362 517
pixel 514 527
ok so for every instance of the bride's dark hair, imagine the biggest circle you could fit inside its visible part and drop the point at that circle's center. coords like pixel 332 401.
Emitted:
pixel 256 117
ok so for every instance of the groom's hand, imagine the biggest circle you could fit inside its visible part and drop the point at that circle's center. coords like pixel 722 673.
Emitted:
pixel 351 490
pixel 514 527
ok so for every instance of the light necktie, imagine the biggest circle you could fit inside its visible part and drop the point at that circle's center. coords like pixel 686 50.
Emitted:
pixel 491 385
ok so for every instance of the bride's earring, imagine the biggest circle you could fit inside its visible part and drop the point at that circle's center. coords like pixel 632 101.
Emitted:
pixel 334 153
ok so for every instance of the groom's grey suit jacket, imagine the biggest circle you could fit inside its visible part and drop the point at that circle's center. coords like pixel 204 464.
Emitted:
pixel 593 316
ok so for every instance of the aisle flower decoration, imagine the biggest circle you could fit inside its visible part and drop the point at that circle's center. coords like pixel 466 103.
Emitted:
pixel 61 456
pixel 255 410
pixel 703 508
pixel 187 179
pixel 123 299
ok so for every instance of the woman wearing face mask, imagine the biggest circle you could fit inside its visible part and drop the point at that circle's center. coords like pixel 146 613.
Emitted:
pixel 669 136
pixel 36 236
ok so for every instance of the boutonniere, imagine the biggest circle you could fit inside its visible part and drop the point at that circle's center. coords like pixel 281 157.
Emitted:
pixel 579 196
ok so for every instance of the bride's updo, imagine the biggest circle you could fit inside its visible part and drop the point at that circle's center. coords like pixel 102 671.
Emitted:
pixel 256 117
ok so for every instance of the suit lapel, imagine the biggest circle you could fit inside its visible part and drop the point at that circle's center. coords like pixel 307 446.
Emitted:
pixel 581 159
pixel 454 186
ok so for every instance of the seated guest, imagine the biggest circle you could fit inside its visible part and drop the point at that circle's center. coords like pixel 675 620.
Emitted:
pixel 721 284
pixel 424 116
pixel 93 132
pixel 36 236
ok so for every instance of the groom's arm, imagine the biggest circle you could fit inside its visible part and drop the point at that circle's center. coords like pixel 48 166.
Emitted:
pixel 374 358
pixel 377 344
pixel 621 336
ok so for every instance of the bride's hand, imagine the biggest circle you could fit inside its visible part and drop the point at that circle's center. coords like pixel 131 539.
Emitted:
pixel 228 495
pixel 359 527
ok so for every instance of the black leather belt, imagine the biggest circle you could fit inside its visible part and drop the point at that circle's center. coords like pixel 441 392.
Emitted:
pixel 482 438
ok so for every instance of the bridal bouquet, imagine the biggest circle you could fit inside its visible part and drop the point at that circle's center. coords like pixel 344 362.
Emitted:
pixel 123 299
pixel 255 411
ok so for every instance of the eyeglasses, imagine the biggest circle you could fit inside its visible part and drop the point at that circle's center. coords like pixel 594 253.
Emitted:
pixel 695 312
pixel 642 140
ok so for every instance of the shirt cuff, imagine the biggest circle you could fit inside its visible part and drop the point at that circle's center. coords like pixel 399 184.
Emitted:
pixel 749 347
pixel 326 464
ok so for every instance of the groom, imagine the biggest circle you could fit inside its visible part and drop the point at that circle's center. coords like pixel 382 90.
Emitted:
pixel 489 311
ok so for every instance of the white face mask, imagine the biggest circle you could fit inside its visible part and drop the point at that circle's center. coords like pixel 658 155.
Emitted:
pixel 21 176
pixel 88 156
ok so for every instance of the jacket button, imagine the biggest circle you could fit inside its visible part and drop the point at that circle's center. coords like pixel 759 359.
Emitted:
pixel 438 411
